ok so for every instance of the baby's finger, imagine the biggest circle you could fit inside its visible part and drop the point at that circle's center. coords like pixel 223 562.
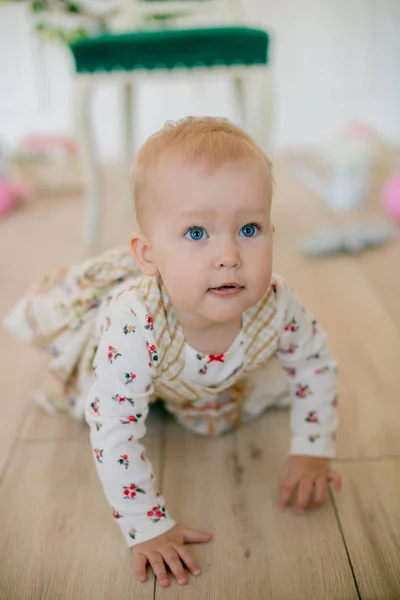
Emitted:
pixel 188 559
pixel 287 488
pixel 335 478
pixel 173 561
pixel 305 490
pixel 321 490
pixel 192 536
pixel 157 564
pixel 140 566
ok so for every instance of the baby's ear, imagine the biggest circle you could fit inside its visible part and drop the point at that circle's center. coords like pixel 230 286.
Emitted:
pixel 143 255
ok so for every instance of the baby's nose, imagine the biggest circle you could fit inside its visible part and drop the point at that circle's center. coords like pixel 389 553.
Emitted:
pixel 228 256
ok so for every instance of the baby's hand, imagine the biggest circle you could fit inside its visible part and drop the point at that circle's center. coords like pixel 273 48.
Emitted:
pixel 169 549
pixel 307 473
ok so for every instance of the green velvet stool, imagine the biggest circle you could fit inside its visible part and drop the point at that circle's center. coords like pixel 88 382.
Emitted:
pixel 241 52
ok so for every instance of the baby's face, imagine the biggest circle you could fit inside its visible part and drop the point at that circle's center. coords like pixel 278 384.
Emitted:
pixel 211 236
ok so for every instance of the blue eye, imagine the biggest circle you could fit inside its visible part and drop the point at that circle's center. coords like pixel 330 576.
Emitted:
pixel 248 230
pixel 196 234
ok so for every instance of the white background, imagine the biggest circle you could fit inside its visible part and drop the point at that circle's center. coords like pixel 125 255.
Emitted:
pixel 335 61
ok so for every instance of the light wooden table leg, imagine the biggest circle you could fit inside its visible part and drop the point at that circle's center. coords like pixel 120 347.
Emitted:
pixel 128 137
pixel 90 166
pixel 259 106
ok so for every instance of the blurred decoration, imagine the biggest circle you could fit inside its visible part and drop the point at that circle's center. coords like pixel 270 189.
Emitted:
pixel 355 166
pixel 390 197
pixel 70 22
pixel 350 163
pixel 84 20
pixel 49 163
pixel 353 240
pixel 13 192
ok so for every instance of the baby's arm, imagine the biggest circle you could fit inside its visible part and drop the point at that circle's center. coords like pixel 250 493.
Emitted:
pixel 116 410
pixel 312 378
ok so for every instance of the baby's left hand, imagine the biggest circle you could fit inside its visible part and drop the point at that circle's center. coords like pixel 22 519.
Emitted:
pixel 308 474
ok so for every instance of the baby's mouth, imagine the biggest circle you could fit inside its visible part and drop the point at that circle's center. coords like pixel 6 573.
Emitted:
pixel 228 289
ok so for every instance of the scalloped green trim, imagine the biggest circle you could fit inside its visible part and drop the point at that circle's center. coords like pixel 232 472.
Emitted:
pixel 172 49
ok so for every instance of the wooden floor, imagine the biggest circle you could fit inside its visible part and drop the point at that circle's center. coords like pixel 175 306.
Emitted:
pixel 57 537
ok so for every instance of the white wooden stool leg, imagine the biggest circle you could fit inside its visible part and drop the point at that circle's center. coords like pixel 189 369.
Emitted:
pixel 128 142
pixel 239 83
pixel 90 166
pixel 258 106
pixel 266 109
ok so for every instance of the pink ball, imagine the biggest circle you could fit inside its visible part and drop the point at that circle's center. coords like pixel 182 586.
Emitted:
pixel 12 193
pixel 7 198
pixel 391 197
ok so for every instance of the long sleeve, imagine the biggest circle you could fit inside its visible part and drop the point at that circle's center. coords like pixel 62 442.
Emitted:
pixel 116 410
pixel 311 374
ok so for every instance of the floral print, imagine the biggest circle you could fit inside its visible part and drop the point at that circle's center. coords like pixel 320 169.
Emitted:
pixel 291 326
pixel 129 377
pixel 290 350
pixel 152 352
pixel 132 490
pixel 123 399
pixel 95 406
pixel 322 370
pixel 312 417
pixel 123 460
pixel 291 371
pixel 157 513
pixel 130 419
pixel 113 354
pixel 149 323
pixel 129 329
pixel 303 391
pixel 98 454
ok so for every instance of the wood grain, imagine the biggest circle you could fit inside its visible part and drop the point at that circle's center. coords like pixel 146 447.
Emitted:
pixel 229 486
pixel 58 538
pixel 40 425
pixel 361 322
pixel 369 512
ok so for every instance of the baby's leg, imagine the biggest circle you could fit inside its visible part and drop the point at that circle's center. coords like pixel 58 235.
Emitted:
pixel 264 389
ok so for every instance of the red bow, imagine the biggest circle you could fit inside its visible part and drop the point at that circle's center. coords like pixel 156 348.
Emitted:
pixel 216 357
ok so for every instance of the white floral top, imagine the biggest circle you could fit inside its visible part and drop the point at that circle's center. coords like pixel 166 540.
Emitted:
pixel 125 368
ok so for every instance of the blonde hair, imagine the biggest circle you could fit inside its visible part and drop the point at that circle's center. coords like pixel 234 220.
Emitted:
pixel 215 140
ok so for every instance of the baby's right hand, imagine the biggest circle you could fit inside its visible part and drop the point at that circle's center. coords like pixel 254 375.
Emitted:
pixel 169 549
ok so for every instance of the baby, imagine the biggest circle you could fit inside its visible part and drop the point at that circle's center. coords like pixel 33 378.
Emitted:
pixel 205 326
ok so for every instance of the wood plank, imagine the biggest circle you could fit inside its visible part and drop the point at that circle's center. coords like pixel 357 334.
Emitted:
pixel 229 486
pixel 369 511
pixel 40 425
pixel 19 374
pixel 26 237
pixel 362 333
pixel 382 269
pixel 58 538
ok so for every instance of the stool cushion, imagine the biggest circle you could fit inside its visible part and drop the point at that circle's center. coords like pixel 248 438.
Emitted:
pixel 169 49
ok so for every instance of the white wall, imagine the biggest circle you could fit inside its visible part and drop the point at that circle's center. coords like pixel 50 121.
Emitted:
pixel 334 61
